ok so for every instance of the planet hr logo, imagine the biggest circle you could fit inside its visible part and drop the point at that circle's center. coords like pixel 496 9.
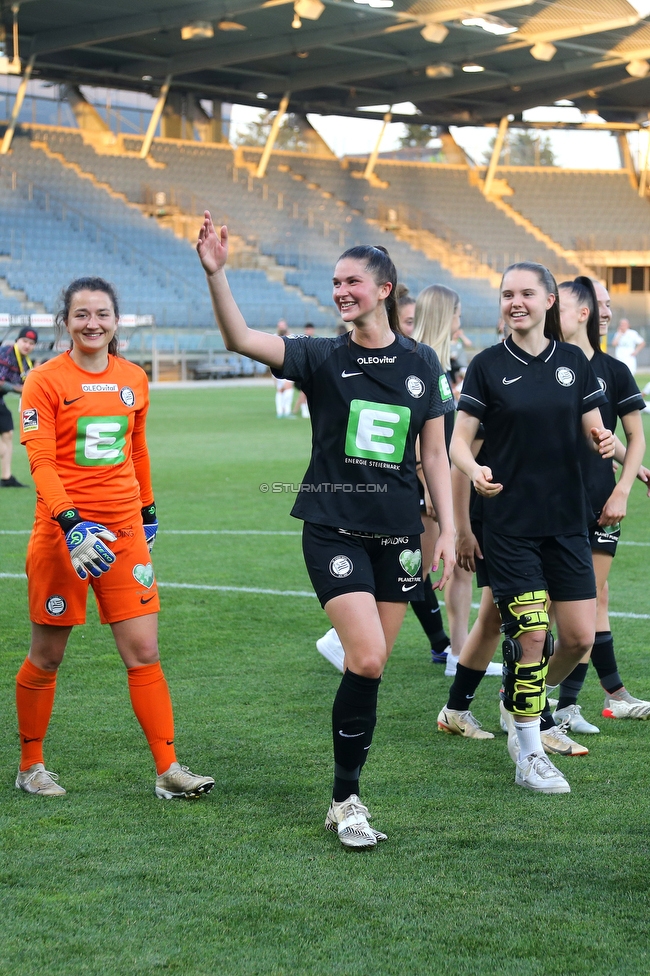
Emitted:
pixel 375 360
pixel 377 431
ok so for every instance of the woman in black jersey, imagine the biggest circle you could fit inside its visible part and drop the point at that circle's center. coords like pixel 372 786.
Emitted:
pixel 538 399
pixel 608 499
pixel 371 393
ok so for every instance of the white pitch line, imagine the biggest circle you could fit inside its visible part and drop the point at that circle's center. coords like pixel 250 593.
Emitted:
pixel 301 593
pixel 621 542
pixel 190 532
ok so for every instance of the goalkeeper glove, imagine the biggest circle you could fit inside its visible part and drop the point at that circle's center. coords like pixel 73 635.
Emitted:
pixel 150 524
pixel 87 552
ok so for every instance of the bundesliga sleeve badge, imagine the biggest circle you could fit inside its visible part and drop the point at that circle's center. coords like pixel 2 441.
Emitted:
pixel 29 420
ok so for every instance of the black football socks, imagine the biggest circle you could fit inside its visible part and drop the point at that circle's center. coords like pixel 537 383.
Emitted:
pixel 571 687
pixel 604 661
pixel 354 716
pixel 464 688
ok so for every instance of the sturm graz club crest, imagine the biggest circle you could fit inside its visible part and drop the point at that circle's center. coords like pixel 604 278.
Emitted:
pixel 415 386
pixel 341 566
pixel 55 605
pixel 565 376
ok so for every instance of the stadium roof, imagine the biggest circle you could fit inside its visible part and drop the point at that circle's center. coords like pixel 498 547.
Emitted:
pixel 341 55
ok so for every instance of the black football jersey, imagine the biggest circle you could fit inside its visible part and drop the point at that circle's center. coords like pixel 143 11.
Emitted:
pixel 623 397
pixel 531 408
pixel 367 408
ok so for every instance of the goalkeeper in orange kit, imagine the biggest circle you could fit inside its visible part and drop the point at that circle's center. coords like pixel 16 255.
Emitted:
pixel 83 417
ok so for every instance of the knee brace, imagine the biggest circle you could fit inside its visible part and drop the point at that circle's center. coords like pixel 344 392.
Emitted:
pixel 519 616
pixel 524 685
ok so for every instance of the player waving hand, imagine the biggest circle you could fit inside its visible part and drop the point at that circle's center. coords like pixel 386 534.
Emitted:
pixel 370 394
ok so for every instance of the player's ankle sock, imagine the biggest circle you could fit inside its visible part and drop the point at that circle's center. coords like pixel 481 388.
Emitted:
pixel 428 613
pixel 572 686
pixel 34 700
pixel 354 715
pixel 153 709
pixel 464 688
pixel 546 719
pixel 604 661
pixel 529 737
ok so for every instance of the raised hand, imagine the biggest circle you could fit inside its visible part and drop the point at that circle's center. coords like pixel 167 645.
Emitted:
pixel 212 247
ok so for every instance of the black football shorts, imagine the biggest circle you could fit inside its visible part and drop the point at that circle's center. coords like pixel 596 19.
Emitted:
pixel 604 539
pixel 561 565
pixel 340 561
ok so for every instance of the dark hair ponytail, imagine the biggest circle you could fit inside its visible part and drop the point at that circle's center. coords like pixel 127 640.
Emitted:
pixel 582 289
pixel 380 266
pixel 552 327
pixel 87 284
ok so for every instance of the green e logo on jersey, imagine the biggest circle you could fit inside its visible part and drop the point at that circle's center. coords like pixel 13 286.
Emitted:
pixel 444 388
pixel 377 431
pixel 101 440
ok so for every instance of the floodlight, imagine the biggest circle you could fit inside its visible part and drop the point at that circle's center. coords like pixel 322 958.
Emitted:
pixel 309 9
pixel 434 33
pixel 296 23
pixel 638 69
pixel 543 51
pixel 198 30
pixel 473 68
pixel 493 25
pixel 376 3
pixel 230 25
pixel 440 71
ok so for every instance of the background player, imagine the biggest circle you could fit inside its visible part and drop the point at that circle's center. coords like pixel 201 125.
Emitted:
pixel 537 398
pixel 608 499
pixel 83 423
pixel 14 367
pixel 370 394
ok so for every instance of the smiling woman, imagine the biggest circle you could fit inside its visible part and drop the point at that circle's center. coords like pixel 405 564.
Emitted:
pixel 83 423
pixel 370 393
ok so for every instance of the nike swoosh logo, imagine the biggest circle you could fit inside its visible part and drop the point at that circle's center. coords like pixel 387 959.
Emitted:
pixel 508 382
pixel 68 402
pixel 603 541
pixel 345 374
pixel 170 742
pixel 142 599
pixel 31 740
pixel 405 589
pixel 354 735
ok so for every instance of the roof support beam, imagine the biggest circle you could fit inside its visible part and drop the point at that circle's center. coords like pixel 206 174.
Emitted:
pixel 102 31
pixel 496 153
pixel 372 158
pixel 155 118
pixel 260 173
pixel 220 55
pixel 18 104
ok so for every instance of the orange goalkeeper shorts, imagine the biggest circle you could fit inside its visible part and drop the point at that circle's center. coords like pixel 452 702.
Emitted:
pixel 56 594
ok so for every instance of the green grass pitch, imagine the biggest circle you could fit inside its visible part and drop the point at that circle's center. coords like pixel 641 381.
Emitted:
pixel 477 877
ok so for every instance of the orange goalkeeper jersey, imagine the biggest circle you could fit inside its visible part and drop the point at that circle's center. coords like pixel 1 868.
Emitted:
pixel 85 437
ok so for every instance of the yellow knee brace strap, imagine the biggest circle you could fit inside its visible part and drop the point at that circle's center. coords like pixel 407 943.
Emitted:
pixel 524 688
pixel 520 616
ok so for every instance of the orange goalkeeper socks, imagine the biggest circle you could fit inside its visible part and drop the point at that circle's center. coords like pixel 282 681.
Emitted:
pixel 153 709
pixel 34 700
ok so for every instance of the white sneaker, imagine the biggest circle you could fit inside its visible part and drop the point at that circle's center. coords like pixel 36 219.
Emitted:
pixel 626 706
pixel 349 819
pixel 36 779
pixel 572 714
pixel 539 774
pixel 556 741
pixel 331 648
pixel 451 664
pixel 180 783
pixel 508 725
pixel 461 723
pixel 494 670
